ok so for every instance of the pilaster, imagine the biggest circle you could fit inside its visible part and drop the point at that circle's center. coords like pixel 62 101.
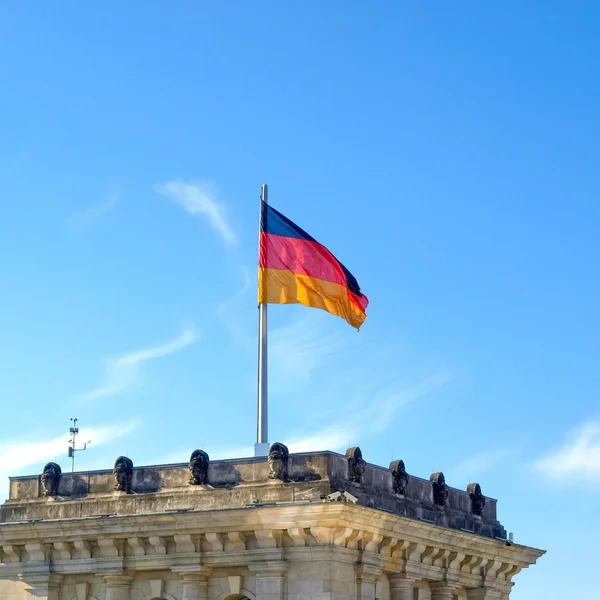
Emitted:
pixel 401 588
pixel 194 582
pixel 44 587
pixel 367 577
pixel 118 587
pixel 270 579
pixel 424 592
pixel 484 593
pixel 441 592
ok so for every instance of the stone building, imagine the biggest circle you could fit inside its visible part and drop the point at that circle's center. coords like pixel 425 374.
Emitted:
pixel 311 526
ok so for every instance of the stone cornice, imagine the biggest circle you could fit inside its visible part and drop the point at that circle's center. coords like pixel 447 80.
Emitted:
pixel 252 537
pixel 283 517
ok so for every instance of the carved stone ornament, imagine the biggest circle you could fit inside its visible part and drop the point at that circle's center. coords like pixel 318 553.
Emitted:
pixel 123 474
pixel 50 478
pixel 198 468
pixel 440 489
pixel 356 464
pixel 399 476
pixel 278 461
pixel 477 498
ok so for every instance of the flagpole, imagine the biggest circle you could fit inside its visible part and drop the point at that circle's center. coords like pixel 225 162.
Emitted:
pixel 261 448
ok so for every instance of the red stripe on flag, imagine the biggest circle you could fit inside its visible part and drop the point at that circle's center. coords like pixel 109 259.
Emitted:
pixel 301 256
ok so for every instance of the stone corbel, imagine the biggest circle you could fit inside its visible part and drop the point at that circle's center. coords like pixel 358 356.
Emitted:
pixel 265 538
pixel 512 571
pixel 387 546
pixel 492 568
pixel 237 541
pixel 61 551
pixel 428 555
pixel 37 552
pixel 11 554
pixel 354 539
pixel 137 545
pixel 399 548
pixel 471 564
pixel 83 549
pixel 439 558
pixel 455 561
pixel 322 535
pixel 414 552
pixel 109 547
pixel 372 542
pixel 501 573
pixel 158 543
pixel 184 543
pixel 215 541
pixel 341 535
pixel 298 536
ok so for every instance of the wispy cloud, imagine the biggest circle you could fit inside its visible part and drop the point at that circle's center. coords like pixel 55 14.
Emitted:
pixel 18 454
pixel 476 464
pixel 356 424
pixel 578 458
pixel 215 453
pixel 375 413
pixel 86 217
pixel 301 347
pixel 311 353
pixel 124 371
pixel 233 313
pixel 198 199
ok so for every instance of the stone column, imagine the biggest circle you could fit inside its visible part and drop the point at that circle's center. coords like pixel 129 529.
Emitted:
pixel 44 587
pixel 367 577
pixel 401 588
pixel 270 579
pixel 118 587
pixel 441 592
pixel 483 594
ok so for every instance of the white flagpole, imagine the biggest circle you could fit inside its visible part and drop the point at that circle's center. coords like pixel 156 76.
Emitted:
pixel 261 448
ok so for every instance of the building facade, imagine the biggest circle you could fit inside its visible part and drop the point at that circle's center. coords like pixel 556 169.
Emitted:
pixel 313 526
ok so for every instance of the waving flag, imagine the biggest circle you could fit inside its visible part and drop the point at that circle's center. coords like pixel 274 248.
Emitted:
pixel 295 268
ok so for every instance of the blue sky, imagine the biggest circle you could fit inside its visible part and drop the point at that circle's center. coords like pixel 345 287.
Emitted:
pixel 447 153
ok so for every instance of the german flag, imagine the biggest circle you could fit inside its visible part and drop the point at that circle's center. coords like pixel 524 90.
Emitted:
pixel 295 269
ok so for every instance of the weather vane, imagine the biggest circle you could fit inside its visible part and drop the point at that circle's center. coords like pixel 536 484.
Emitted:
pixel 74 430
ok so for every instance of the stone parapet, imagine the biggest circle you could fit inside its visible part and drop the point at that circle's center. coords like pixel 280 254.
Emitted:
pixel 252 482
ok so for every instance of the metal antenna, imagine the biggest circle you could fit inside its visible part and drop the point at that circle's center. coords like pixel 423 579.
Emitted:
pixel 74 430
